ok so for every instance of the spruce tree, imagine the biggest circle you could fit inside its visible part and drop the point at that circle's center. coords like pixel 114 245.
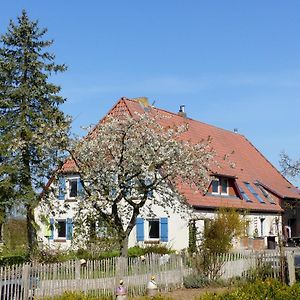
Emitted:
pixel 33 130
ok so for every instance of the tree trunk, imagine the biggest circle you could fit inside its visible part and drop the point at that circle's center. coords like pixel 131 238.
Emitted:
pixel 124 246
pixel 31 229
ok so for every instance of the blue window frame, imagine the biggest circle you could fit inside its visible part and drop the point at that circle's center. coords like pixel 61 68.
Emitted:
pixel 265 193
pixel 254 193
pixel 244 195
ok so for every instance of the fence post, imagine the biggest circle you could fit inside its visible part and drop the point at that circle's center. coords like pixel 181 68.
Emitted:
pixel 291 267
pixel 77 269
pixel 26 279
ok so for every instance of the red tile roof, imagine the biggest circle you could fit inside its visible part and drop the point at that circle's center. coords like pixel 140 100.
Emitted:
pixel 249 164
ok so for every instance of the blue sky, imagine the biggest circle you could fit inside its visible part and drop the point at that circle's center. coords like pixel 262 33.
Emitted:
pixel 234 64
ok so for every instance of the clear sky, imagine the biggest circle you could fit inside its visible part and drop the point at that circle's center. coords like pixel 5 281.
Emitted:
pixel 234 64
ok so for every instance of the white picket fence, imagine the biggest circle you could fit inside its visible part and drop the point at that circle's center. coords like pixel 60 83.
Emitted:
pixel 101 277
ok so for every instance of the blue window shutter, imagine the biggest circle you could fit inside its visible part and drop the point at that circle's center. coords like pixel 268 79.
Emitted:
pixel 79 188
pixel 69 229
pixel 139 229
pixel 61 188
pixel 51 237
pixel 164 229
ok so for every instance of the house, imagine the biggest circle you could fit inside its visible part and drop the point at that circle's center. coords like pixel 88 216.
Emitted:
pixel 244 179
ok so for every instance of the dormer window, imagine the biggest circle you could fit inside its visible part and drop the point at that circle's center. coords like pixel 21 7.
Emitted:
pixel 224 186
pixel 220 186
pixel 215 186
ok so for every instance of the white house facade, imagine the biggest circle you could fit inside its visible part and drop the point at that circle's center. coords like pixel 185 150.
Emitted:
pixel 252 186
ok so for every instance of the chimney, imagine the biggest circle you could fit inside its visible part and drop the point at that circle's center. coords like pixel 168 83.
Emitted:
pixel 182 112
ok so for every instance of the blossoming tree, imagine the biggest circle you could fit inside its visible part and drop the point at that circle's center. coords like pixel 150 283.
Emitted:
pixel 128 164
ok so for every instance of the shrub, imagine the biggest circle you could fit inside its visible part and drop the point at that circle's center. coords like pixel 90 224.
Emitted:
pixel 54 256
pixel 195 281
pixel 136 251
pixel 14 259
pixel 158 249
pixel 15 235
pixel 269 289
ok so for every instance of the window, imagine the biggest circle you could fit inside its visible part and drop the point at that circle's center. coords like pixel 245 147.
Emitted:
pixel 153 229
pixel 224 186
pixel 244 195
pixel 215 186
pixel 219 186
pixel 73 188
pixel 265 193
pixel 69 187
pixel 61 229
pixel 262 226
pixel 254 193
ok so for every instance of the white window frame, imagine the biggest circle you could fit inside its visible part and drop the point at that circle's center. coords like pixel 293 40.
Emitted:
pixel 220 180
pixel 215 193
pixel 68 186
pixel 147 229
pixel 221 187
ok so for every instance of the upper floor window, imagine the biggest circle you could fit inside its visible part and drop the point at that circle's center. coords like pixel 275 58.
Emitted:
pixel 69 187
pixel 220 186
pixel 265 193
pixel 244 195
pixel 73 187
pixel 224 185
pixel 215 186
pixel 254 193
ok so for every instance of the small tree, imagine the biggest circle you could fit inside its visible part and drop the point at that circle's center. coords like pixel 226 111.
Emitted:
pixel 128 164
pixel 33 131
pixel 217 238
pixel 220 232
pixel 289 167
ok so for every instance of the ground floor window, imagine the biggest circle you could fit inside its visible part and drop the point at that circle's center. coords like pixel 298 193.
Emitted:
pixel 59 229
pixel 155 229
pixel 153 226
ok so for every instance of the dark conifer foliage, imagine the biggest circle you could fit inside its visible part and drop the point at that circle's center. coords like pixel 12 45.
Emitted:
pixel 33 129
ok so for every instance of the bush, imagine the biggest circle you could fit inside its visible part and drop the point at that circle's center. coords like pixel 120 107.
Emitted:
pixel 54 256
pixel 81 296
pixel 195 281
pixel 78 296
pixel 137 251
pixel 13 259
pixel 15 235
pixel 269 289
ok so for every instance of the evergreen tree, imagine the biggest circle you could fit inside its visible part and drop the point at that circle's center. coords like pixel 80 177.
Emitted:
pixel 33 130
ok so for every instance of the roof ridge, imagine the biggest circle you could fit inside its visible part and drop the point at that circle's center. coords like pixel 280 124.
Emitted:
pixel 191 119
pixel 122 99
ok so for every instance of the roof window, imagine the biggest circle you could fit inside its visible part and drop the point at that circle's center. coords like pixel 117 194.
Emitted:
pixel 265 193
pixel 244 195
pixel 254 193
